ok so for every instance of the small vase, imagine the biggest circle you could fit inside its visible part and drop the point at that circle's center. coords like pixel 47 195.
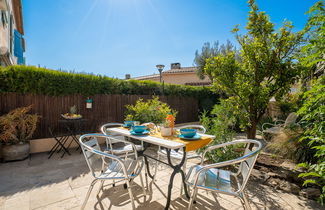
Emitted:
pixel 166 131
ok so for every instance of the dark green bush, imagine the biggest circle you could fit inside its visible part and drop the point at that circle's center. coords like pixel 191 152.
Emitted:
pixel 30 79
pixel 221 122
pixel 312 141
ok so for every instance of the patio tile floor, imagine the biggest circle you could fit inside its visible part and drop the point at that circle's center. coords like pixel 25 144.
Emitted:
pixel 39 183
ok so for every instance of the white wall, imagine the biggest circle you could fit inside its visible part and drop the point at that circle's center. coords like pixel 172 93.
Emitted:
pixel 4 29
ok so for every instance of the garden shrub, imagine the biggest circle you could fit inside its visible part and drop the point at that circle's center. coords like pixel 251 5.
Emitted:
pixel 151 110
pixel 30 79
pixel 220 123
pixel 312 149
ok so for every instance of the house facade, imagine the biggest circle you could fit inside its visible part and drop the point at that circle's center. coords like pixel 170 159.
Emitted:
pixel 177 75
pixel 12 43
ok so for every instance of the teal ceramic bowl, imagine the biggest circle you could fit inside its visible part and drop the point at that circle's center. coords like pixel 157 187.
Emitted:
pixel 139 128
pixel 128 123
pixel 188 133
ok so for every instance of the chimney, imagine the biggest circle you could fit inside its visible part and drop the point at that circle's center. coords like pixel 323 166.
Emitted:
pixel 128 76
pixel 175 65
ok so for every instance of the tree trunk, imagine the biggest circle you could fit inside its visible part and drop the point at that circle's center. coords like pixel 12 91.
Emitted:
pixel 251 131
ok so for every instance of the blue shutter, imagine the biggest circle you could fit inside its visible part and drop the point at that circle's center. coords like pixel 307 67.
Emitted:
pixel 18 47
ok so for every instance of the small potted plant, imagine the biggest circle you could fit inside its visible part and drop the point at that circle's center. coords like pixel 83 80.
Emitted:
pixel 167 127
pixel 16 128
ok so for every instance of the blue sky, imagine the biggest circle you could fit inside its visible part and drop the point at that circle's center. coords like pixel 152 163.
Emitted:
pixel 117 37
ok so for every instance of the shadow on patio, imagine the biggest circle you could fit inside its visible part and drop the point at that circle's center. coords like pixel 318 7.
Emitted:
pixel 58 183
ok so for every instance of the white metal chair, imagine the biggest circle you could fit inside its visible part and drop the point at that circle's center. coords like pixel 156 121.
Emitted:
pixel 279 125
pixel 178 155
pixel 212 178
pixel 116 147
pixel 105 166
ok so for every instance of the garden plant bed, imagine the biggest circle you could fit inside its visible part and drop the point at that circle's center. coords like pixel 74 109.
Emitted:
pixel 282 174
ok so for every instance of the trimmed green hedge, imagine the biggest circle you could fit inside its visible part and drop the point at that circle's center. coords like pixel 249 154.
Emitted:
pixel 30 79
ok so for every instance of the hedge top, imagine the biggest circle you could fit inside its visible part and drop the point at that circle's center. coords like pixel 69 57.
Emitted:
pixel 30 79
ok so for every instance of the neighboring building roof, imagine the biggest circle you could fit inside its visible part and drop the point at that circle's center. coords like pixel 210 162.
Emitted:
pixel 171 71
pixel 151 76
pixel 180 70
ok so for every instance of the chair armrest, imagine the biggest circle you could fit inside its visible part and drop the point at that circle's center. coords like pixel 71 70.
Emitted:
pixel 97 151
pixel 264 124
pixel 240 141
pixel 216 165
pixel 227 162
pixel 279 121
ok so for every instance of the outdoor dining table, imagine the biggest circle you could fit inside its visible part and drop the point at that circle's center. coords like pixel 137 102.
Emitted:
pixel 169 143
pixel 73 128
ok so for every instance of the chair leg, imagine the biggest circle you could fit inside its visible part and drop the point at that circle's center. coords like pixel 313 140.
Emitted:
pixel 193 196
pixel 245 202
pixel 130 193
pixel 101 186
pixel 88 193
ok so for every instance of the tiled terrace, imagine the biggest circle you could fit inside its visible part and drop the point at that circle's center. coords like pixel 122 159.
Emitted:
pixel 39 183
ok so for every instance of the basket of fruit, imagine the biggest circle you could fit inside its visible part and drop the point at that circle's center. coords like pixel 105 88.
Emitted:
pixel 72 115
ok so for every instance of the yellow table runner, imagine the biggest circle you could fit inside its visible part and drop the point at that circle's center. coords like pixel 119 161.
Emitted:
pixel 190 145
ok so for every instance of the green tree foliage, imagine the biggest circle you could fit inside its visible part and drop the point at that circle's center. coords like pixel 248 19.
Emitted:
pixel 210 51
pixel 313 139
pixel 267 67
pixel 313 52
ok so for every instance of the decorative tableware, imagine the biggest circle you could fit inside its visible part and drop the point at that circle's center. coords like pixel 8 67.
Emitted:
pixel 69 116
pixel 195 137
pixel 188 133
pixel 145 132
pixel 139 128
pixel 136 122
pixel 151 127
pixel 128 123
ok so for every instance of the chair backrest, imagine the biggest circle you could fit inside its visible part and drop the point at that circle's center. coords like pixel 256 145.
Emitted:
pixel 90 148
pixel 252 150
pixel 291 119
pixel 199 128
pixel 109 141
pixel 104 127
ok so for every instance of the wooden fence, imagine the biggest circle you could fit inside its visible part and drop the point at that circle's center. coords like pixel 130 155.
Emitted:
pixel 106 108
